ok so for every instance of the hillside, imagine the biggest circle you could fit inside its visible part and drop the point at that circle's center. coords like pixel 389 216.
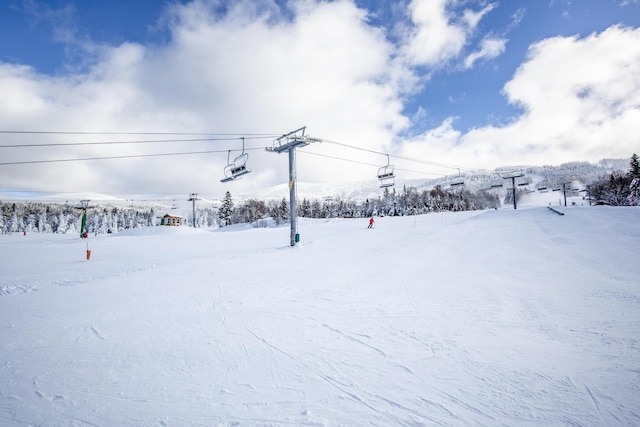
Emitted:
pixel 536 186
pixel 499 317
pixel 578 173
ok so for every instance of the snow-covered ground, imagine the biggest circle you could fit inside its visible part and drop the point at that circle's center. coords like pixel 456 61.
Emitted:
pixel 487 318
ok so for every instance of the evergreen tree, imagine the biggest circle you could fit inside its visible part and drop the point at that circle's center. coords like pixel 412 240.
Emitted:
pixel 316 209
pixel 284 209
pixel 305 209
pixel 12 220
pixel 634 189
pixel 62 223
pixel 2 224
pixel 226 210
pixel 634 166
pixel 274 211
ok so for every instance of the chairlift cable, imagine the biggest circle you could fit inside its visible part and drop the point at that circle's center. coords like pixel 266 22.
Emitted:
pixel 111 157
pixel 26 132
pixel 367 164
pixel 229 136
pixel 337 158
pixel 444 165
pixel 153 141
pixel 243 137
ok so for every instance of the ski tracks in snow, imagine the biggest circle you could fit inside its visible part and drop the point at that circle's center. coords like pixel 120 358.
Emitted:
pixel 386 410
pixel 387 406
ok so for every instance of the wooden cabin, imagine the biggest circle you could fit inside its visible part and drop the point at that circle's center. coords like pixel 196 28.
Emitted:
pixel 171 220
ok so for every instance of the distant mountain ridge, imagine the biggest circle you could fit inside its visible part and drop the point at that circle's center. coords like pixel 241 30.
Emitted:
pixel 534 186
pixel 580 173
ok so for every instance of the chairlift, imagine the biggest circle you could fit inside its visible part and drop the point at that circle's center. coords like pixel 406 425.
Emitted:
pixel 386 175
pixel 495 182
pixel 234 170
pixel 543 189
pixel 458 181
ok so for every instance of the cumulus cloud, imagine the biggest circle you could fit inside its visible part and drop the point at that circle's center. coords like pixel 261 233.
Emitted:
pixel 580 100
pixel 259 67
pixel 246 69
pixel 438 34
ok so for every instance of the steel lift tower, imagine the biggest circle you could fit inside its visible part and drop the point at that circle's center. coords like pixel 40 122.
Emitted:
pixel 290 142
pixel 512 177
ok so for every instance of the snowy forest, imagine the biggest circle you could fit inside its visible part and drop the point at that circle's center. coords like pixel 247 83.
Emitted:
pixel 66 218
pixel 617 188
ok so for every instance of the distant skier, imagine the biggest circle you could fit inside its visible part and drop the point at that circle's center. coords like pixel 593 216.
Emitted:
pixel 371 221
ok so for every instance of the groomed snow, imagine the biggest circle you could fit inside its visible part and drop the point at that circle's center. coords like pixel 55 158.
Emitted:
pixel 489 318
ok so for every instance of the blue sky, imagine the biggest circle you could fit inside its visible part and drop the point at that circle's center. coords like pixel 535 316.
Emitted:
pixel 469 84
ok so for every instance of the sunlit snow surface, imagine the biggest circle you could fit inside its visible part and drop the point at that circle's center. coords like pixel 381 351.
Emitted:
pixel 489 318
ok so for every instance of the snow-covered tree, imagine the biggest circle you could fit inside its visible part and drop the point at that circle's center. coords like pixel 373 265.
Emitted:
pixel 634 190
pixel 316 209
pixel 249 211
pixel 634 166
pixel 305 208
pixel 226 210
pixel 279 211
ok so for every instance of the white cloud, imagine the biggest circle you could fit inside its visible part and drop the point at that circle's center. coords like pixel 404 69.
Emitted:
pixel 438 34
pixel 257 68
pixel 580 99
pixel 473 18
pixel 579 89
pixel 440 141
pixel 248 70
pixel 434 38
pixel 490 48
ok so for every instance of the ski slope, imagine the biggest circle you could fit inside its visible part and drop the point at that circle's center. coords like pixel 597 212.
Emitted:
pixel 488 318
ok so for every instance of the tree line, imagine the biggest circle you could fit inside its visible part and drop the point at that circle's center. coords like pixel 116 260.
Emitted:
pixel 63 219
pixel 408 201
pixel 618 188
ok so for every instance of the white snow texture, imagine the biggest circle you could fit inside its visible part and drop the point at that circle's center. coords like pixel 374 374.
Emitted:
pixel 502 317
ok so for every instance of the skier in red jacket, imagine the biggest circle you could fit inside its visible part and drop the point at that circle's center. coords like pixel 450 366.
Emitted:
pixel 371 221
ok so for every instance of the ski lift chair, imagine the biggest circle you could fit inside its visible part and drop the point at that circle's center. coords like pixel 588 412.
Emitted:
pixel 386 175
pixel 457 182
pixel 237 168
